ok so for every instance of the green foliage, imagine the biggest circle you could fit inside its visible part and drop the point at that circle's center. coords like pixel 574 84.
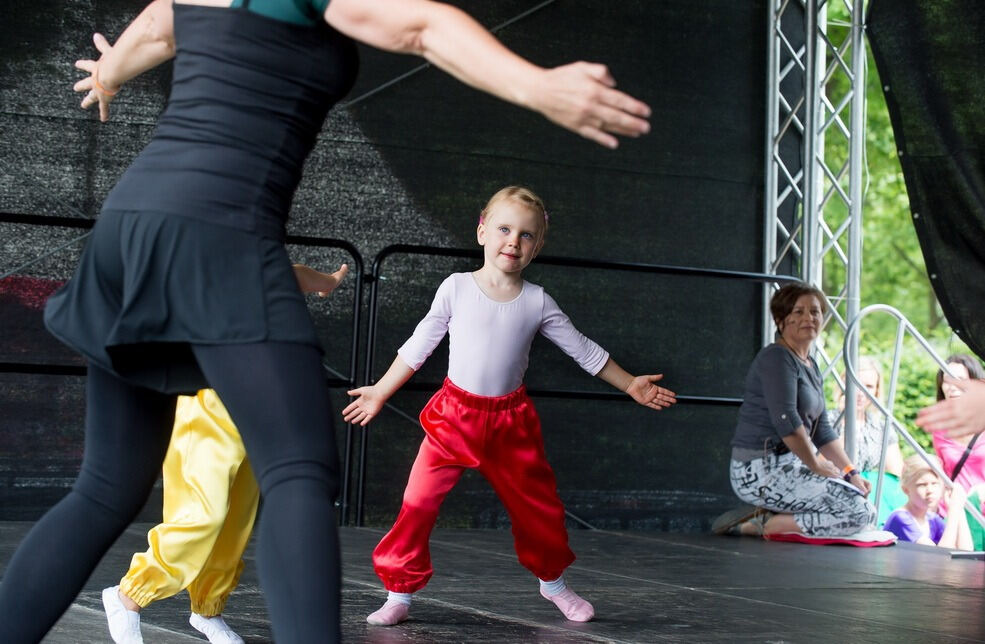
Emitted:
pixel 916 389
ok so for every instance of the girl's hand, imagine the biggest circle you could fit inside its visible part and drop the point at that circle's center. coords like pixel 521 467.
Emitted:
pixel 956 496
pixel 94 94
pixel 957 416
pixel 643 391
pixel 582 97
pixel 365 407
pixel 312 281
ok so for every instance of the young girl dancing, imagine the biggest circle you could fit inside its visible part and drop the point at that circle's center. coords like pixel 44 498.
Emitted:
pixel 482 418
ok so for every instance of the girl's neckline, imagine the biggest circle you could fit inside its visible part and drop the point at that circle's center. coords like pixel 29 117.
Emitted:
pixel 475 281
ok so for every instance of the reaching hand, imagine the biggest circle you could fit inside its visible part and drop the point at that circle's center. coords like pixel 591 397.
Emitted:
pixel 365 407
pixel 861 483
pixel 826 468
pixel 312 281
pixel 581 97
pixel 90 84
pixel 957 416
pixel 650 395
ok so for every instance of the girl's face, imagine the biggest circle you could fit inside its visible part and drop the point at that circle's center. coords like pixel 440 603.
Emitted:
pixel 925 492
pixel 803 322
pixel 511 235
pixel 961 373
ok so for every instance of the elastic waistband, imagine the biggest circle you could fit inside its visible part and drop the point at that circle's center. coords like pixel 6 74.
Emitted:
pixel 485 403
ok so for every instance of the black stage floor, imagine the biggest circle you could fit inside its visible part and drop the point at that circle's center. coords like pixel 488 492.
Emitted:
pixel 646 587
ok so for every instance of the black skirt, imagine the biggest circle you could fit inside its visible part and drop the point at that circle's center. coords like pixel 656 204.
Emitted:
pixel 149 285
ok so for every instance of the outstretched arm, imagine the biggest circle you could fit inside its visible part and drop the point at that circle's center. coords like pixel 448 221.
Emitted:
pixel 641 388
pixel 146 43
pixel 579 96
pixel 370 400
pixel 958 416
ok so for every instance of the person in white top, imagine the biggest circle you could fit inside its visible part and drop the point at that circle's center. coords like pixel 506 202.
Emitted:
pixel 482 417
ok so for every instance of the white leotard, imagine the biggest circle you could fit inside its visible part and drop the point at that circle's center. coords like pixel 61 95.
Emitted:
pixel 489 341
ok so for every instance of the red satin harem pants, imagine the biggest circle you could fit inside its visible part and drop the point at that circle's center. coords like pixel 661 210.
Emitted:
pixel 500 436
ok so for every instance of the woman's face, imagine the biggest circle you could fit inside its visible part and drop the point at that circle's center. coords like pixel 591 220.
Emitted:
pixel 870 380
pixel 961 373
pixel 803 323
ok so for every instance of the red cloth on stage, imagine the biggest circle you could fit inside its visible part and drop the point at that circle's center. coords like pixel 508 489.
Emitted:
pixel 500 436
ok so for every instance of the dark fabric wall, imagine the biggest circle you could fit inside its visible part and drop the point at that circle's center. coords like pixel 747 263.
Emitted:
pixel 414 164
pixel 930 57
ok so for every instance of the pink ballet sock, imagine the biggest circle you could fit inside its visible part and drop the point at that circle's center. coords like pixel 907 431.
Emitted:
pixel 574 607
pixel 392 612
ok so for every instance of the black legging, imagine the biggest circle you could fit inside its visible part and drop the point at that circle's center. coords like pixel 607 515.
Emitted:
pixel 275 393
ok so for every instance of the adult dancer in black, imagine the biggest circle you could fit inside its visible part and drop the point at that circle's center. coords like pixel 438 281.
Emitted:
pixel 185 282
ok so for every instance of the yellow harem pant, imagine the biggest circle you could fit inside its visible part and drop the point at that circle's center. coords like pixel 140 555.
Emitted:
pixel 210 502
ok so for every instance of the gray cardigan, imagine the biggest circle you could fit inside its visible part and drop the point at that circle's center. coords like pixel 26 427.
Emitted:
pixel 781 395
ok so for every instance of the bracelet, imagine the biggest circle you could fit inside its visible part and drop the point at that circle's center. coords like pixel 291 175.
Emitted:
pixel 850 473
pixel 848 468
pixel 99 86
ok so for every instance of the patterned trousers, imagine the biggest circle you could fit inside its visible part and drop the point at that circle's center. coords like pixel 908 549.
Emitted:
pixel 820 505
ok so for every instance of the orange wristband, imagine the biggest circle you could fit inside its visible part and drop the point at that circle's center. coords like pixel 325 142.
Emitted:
pixel 99 86
pixel 848 468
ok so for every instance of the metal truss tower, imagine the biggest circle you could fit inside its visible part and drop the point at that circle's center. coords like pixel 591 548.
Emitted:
pixel 815 145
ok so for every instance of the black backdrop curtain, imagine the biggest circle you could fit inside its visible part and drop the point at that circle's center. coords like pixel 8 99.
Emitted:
pixel 931 58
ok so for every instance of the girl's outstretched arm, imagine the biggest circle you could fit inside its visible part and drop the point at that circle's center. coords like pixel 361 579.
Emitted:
pixel 146 43
pixel 580 96
pixel 641 388
pixel 369 400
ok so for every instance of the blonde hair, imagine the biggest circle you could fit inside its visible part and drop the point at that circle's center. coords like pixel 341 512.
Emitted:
pixel 916 466
pixel 520 194
pixel 865 363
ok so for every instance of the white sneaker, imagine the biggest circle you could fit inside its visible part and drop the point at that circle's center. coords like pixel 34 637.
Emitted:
pixel 214 628
pixel 124 625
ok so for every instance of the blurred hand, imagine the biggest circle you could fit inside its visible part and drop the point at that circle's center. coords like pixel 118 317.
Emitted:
pixel 94 95
pixel 861 483
pixel 312 281
pixel 957 416
pixel 826 468
pixel 582 97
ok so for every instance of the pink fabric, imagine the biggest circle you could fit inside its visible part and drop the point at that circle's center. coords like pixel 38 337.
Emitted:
pixel 571 605
pixel 499 436
pixel 796 537
pixel 950 451
pixel 489 341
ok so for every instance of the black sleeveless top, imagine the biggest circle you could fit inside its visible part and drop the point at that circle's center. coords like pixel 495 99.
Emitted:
pixel 188 248
pixel 248 99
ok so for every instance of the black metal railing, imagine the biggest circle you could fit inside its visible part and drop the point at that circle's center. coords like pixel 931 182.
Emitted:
pixel 351 379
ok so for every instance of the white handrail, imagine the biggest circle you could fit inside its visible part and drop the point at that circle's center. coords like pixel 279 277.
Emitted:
pixel 903 326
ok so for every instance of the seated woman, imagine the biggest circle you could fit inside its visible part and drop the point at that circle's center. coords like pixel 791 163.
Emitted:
pixel 918 521
pixel 782 425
